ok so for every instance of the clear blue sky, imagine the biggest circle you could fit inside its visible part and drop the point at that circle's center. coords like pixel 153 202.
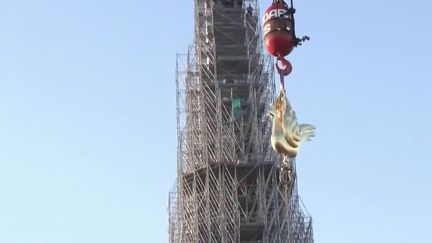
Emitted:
pixel 88 128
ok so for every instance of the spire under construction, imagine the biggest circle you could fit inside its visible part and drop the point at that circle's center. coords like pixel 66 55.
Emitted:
pixel 229 187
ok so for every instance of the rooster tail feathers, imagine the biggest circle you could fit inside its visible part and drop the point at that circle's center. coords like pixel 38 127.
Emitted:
pixel 306 132
pixel 290 121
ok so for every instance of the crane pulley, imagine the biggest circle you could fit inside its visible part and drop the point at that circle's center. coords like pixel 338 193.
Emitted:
pixel 279 34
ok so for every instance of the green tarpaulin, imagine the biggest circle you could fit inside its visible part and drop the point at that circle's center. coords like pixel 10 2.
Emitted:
pixel 236 107
pixel 236 104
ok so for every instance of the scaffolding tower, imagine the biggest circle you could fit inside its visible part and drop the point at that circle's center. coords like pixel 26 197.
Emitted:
pixel 228 187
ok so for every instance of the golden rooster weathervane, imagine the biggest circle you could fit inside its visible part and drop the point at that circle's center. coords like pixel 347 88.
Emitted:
pixel 287 135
